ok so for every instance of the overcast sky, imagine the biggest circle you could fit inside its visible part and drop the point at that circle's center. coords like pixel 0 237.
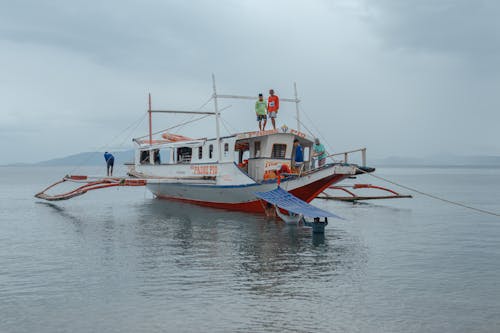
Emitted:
pixel 407 78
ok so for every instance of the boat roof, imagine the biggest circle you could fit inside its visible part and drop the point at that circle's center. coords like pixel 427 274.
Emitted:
pixel 157 143
pixel 291 203
pixel 282 130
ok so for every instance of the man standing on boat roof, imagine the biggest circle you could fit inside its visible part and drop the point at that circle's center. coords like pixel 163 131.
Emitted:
pixel 273 104
pixel 260 111
pixel 110 161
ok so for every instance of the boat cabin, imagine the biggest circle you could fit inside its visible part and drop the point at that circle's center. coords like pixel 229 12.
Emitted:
pixel 255 154
pixel 260 154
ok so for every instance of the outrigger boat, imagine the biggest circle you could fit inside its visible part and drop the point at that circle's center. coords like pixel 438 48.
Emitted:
pixel 205 172
pixel 226 171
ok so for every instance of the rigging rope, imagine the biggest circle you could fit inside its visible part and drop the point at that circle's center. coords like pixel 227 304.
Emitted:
pixel 190 120
pixel 198 109
pixel 175 126
pixel 131 132
pixel 432 195
pixel 136 123
pixel 315 127
pixel 429 195
pixel 224 123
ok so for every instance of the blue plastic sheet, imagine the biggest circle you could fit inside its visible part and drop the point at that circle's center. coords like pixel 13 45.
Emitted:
pixel 291 203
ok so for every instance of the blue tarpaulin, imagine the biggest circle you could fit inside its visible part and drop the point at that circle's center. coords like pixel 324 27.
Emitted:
pixel 291 203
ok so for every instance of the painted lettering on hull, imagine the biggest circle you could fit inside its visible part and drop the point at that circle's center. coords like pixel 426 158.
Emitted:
pixel 205 170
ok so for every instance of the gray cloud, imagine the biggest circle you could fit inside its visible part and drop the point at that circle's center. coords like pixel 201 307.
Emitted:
pixel 463 28
pixel 403 77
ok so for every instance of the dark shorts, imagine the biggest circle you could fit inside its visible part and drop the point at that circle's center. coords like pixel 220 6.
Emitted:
pixel 110 162
pixel 261 117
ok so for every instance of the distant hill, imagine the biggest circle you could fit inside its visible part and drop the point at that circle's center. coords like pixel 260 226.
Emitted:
pixel 96 158
pixel 439 160
pixel 88 158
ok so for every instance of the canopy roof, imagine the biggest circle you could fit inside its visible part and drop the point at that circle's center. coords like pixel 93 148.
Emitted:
pixel 291 203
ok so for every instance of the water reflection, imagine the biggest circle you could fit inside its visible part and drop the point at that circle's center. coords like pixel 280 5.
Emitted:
pixel 61 211
pixel 175 250
pixel 202 246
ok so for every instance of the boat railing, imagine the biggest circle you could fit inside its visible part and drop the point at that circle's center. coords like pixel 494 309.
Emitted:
pixel 347 154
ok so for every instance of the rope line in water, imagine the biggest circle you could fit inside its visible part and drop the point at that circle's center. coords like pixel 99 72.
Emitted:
pixel 432 196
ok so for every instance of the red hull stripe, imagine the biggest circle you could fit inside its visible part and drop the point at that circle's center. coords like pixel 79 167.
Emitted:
pixel 306 193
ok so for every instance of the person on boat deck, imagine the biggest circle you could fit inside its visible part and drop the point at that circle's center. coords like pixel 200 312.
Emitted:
pixel 273 105
pixel 299 154
pixel 145 157
pixel 319 153
pixel 110 161
pixel 156 156
pixel 260 111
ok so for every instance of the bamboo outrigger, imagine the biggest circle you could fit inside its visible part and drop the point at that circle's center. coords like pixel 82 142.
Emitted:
pixel 353 197
pixel 89 184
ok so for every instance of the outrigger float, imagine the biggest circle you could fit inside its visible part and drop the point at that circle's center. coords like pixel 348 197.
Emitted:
pixel 354 197
pixel 88 183
pixel 230 172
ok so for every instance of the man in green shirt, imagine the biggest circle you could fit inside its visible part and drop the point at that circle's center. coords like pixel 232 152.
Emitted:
pixel 261 112
pixel 319 153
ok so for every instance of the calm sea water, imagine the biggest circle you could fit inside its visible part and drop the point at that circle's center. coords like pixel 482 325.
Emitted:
pixel 120 261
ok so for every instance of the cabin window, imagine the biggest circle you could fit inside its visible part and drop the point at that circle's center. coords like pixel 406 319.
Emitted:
pixel 184 155
pixel 144 158
pixel 226 149
pixel 210 151
pixel 200 153
pixel 279 150
pixel 256 147
pixel 156 156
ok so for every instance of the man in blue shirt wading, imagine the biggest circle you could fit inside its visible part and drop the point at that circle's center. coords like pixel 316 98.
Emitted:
pixel 110 161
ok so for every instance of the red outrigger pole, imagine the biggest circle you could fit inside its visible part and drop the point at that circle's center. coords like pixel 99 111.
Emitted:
pixel 353 197
pixel 90 183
